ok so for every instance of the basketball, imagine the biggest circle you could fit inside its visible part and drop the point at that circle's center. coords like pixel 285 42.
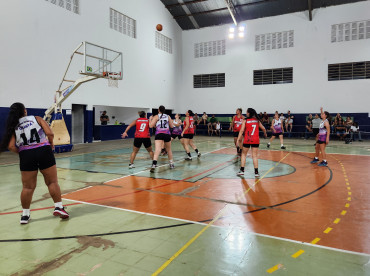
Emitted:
pixel 159 27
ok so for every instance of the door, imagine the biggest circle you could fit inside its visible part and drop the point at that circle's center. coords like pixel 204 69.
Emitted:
pixel 78 123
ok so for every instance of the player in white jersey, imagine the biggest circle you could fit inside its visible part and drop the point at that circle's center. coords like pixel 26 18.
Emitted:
pixel 32 138
pixel 277 130
pixel 323 139
pixel 162 122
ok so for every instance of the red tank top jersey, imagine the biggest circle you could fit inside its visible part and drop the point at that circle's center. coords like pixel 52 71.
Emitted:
pixel 251 135
pixel 190 130
pixel 142 128
pixel 237 123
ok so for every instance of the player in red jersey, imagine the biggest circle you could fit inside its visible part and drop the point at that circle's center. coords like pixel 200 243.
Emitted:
pixel 250 127
pixel 235 127
pixel 142 136
pixel 188 134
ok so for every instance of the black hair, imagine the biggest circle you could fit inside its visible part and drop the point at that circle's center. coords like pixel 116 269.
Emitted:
pixel 252 113
pixel 162 109
pixel 16 112
pixel 240 109
pixel 328 117
pixel 142 114
pixel 190 113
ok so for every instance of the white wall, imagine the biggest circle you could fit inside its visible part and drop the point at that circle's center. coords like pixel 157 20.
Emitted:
pixel 37 39
pixel 310 56
pixel 122 114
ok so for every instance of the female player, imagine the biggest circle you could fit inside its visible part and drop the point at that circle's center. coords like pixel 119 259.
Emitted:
pixel 162 122
pixel 188 134
pixel 177 129
pixel 323 139
pixel 235 126
pixel 250 127
pixel 32 138
pixel 277 130
pixel 142 136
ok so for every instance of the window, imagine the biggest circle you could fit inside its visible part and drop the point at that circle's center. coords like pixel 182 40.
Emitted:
pixel 273 41
pixel 70 5
pixel 350 31
pixel 210 48
pixel 163 42
pixel 273 76
pixel 122 23
pixel 349 71
pixel 209 80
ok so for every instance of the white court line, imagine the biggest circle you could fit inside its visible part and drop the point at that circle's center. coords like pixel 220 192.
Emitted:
pixel 141 213
pixel 85 188
pixel 224 227
pixel 314 152
pixel 313 245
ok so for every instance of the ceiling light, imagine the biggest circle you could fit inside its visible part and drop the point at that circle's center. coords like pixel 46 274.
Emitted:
pixel 231 36
pixel 241 35
pixel 231 29
pixel 241 29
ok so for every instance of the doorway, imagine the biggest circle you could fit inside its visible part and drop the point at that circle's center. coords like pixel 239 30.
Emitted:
pixel 78 123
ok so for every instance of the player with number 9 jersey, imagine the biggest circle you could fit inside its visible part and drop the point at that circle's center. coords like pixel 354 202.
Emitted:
pixel 142 128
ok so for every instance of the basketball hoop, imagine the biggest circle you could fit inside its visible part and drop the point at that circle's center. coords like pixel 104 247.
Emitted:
pixel 112 78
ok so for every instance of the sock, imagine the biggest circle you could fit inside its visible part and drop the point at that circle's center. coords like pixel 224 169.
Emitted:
pixel 58 204
pixel 324 160
pixel 256 170
pixel 242 169
pixel 171 161
pixel 196 150
pixel 269 143
pixel 282 145
pixel 26 212
pixel 154 162
pixel 188 153
pixel 316 158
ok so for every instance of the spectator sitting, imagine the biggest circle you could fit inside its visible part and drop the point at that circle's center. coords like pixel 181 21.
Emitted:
pixel 104 118
pixel 290 115
pixel 260 116
pixel 355 129
pixel 204 118
pixel 340 129
pixel 308 126
pixel 265 120
pixel 289 124
pixel 212 124
pixel 348 123
pixel 218 128
pixel 282 117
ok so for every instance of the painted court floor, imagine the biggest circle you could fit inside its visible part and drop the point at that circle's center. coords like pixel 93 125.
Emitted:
pixel 197 219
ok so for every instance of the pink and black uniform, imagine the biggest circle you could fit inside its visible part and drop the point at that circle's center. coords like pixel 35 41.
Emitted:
pixel 162 131
pixel 142 134
pixel 277 127
pixel 176 131
pixel 322 133
pixel 33 145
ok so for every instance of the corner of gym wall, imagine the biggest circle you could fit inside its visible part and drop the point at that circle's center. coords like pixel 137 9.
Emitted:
pixel 310 56
pixel 38 38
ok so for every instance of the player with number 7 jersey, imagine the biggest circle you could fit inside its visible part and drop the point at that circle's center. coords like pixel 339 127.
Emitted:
pixel 142 137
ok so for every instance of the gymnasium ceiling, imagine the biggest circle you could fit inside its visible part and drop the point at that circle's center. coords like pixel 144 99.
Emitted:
pixel 194 14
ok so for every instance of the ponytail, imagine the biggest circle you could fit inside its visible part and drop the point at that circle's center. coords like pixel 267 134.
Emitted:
pixel 16 112
pixel 161 109
pixel 252 113
pixel 190 113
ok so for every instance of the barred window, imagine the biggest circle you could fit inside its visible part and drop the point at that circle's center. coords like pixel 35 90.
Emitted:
pixel 209 80
pixel 349 71
pixel 350 31
pixel 163 42
pixel 273 41
pixel 273 76
pixel 210 48
pixel 70 5
pixel 122 23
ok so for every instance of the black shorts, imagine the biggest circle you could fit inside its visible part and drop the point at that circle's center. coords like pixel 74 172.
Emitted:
pixel 236 133
pixel 188 136
pixel 277 134
pixel 174 136
pixel 315 131
pixel 36 159
pixel 321 142
pixel 251 145
pixel 139 141
pixel 163 136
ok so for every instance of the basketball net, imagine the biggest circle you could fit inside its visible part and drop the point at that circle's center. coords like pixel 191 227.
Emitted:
pixel 112 82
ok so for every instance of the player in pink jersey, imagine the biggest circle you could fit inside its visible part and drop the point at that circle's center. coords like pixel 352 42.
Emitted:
pixel 277 130
pixel 323 139
pixel 32 138
pixel 142 137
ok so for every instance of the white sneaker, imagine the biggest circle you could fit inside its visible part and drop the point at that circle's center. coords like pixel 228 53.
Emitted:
pixel 189 158
pixel 240 173
pixel 199 154
pixel 257 175
pixel 131 166
pixel 152 168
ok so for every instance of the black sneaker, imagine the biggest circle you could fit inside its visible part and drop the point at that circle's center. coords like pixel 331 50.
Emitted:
pixel 283 147
pixel 268 145
pixel 60 212
pixel 25 219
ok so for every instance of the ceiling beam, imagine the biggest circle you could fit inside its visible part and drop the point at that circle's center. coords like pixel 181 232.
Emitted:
pixel 184 3
pixel 230 7
pixel 221 9
pixel 310 9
